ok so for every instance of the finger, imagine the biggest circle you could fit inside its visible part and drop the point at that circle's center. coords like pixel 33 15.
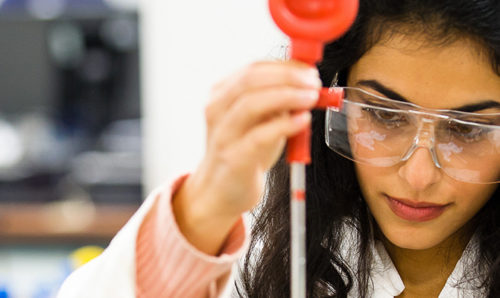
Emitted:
pixel 264 143
pixel 261 105
pixel 257 76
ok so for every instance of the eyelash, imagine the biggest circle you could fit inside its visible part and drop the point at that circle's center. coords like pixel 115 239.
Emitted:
pixel 471 135
pixel 465 133
pixel 378 116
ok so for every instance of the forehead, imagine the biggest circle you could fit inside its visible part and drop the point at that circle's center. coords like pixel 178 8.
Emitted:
pixel 437 77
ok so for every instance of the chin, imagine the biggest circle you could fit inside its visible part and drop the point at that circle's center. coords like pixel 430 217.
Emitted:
pixel 412 244
pixel 414 240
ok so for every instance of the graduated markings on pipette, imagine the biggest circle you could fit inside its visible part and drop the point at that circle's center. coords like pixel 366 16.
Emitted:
pixel 299 195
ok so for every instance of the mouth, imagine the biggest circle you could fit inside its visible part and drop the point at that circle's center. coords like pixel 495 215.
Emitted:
pixel 415 211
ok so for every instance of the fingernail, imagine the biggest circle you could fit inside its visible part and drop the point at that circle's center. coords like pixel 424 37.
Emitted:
pixel 310 77
pixel 302 118
pixel 310 95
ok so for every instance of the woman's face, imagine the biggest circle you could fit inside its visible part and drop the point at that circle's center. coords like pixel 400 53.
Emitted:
pixel 415 204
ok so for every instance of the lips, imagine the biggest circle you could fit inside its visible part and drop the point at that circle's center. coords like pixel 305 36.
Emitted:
pixel 415 211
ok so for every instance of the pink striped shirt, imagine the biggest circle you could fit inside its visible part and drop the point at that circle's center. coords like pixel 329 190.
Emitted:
pixel 169 266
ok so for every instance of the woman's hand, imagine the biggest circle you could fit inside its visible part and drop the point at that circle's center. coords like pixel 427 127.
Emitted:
pixel 249 118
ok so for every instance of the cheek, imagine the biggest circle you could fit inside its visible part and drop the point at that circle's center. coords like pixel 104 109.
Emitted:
pixel 470 198
pixel 375 181
pixel 372 182
pixel 372 178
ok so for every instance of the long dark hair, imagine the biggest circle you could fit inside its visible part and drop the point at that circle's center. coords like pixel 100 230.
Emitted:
pixel 334 198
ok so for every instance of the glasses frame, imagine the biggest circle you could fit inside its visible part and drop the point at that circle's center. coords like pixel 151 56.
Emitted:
pixel 425 114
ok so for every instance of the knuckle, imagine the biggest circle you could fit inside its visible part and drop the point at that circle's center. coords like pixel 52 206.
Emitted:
pixel 229 158
pixel 286 127
pixel 291 77
pixel 215 92
pixel 247 76
pixel 283 125
pixel 216 143
pixel 289 95
pixel 258 141
pixel 247 107
pixel 218 91
pixel 256 64
pixel 217 86
pixel 209 113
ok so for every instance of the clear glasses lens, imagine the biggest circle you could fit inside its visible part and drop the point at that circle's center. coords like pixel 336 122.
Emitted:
pixel 380 132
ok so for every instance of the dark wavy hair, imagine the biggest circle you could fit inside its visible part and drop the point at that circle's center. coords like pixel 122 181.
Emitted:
pixel 333 193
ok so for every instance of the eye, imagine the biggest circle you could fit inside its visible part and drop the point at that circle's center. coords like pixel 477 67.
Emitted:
pixel 467 132
pixel 388 118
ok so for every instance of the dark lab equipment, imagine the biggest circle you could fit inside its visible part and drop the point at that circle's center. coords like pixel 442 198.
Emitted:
pixel 69 104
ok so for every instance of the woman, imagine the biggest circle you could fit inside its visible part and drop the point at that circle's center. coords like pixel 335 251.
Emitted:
pixel 415 214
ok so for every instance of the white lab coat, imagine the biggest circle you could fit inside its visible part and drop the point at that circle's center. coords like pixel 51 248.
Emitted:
pixel 112 274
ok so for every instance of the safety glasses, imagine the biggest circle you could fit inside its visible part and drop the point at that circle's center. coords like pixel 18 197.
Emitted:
pixel 381 132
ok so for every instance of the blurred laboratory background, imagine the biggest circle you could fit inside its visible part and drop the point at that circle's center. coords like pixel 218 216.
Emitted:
pixel 100 102
pixel 70 135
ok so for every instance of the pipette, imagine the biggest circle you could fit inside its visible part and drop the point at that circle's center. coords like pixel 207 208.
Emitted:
pixel 309 24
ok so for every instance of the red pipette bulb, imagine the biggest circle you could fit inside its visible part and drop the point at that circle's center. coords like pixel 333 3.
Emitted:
pixel 310 24
pixel 311 9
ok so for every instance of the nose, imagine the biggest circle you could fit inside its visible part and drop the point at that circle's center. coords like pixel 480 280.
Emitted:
pixel 420 171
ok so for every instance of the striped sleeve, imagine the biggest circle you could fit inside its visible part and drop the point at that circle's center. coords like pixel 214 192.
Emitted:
pixel 169 266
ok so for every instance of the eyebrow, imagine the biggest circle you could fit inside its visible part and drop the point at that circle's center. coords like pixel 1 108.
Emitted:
pixel 377 86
